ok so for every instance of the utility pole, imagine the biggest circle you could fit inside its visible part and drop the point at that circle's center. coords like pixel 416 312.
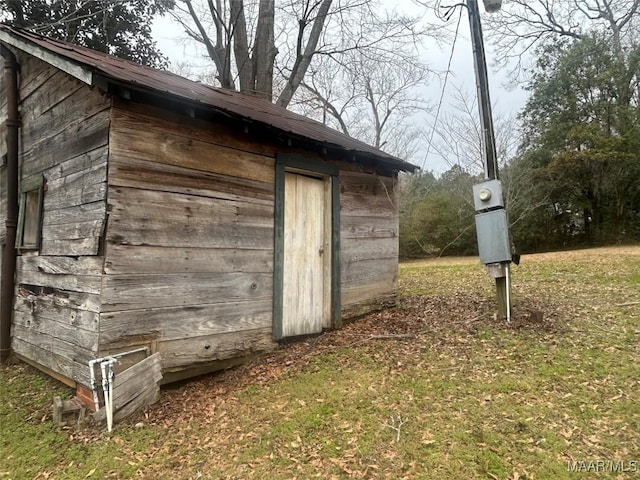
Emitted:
pixel 492 226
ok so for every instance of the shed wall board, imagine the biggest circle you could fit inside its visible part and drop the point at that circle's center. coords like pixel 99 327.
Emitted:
pixel 369 241
pixel 63 138
pixel 189 240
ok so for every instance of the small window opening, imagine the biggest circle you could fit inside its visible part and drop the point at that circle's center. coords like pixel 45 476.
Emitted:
pixel 30 215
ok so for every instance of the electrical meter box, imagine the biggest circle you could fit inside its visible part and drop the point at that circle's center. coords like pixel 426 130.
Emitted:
pixel 493 236
pixel 488 195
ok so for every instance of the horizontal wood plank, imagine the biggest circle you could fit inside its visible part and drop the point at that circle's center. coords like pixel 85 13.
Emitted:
pixel 362 227
pixel 75 368
pixel 63 331
pixel 141 217
pixel 75 214
pixel 147 174
pixel 173 323
pixel 58 88
pixel 72 142
pixel 368 183
pixel 87 162
pixel 54 298
pixel 365 307
pixel 136 203
pixel 155 233
pixel 61 265
pixel 72 283
pixel 351 294
pixel 54 108
pixel 34 73
pixel 366 205
pixel 70 246
pixel 130 292
pixel 45 307
pixel 364 194
pixel 136 259
pixel 194 128
pixel 355 249
pixel 73 231
pixel 143 138
pixel 177 354
pixel 85 186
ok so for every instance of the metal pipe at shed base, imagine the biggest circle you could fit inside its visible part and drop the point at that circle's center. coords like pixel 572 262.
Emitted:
pixel 7 275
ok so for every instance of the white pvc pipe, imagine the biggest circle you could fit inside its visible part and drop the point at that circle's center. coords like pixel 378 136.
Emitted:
pixel 122 354
pixel 94 383
pixel 105 388
pixel 110 407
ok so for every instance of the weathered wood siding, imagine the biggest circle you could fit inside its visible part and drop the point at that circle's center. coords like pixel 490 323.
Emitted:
pixel 369 241
pixel 189 241
pixel 64 138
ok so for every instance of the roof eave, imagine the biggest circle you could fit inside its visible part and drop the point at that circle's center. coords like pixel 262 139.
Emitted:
pixel 102 81
pixel 77 71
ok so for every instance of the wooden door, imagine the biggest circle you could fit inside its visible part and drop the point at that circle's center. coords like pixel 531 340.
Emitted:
pixel 305 289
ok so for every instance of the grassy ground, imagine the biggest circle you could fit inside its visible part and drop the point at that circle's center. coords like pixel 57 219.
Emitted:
pixel 436 389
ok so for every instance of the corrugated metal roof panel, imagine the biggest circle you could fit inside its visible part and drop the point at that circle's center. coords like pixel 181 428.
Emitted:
pixel 234 103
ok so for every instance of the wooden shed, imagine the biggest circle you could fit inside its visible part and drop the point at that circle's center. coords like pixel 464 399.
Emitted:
pixel 159 212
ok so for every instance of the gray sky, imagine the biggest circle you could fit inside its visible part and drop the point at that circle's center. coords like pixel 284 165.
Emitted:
pixel 170 38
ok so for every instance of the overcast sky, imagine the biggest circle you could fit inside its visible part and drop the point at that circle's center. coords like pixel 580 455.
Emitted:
pixel 170 38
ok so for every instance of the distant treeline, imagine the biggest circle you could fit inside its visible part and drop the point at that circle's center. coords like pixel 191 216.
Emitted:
pixel 575 180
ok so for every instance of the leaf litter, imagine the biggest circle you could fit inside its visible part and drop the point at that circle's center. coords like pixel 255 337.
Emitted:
pixel 467 395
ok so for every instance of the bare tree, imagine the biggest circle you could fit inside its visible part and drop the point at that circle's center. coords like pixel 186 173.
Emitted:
pixel 458 135
pixel 458 142
pixel 374 100
pixel 240 40
pixel 267 48
pixel 522 25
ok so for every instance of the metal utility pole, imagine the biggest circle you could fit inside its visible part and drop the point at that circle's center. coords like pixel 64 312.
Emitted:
pixel 492 227
pixel 482 85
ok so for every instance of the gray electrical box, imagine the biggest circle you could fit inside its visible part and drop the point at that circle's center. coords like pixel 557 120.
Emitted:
pixel 493 236
pixel 487 195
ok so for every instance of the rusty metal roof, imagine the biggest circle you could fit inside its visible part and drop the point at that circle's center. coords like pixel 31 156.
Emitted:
pixel 85 64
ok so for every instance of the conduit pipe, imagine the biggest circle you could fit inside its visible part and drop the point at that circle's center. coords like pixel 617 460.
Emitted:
pixel 108 376
pixel 7 275
pixel 94 384
pixel 106 368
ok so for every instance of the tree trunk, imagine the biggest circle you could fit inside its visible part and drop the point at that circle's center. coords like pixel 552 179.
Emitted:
pixel 303 59
pixel 264 52
pixel 241 45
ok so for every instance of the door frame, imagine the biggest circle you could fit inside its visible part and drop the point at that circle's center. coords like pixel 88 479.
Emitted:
pixel 294 164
